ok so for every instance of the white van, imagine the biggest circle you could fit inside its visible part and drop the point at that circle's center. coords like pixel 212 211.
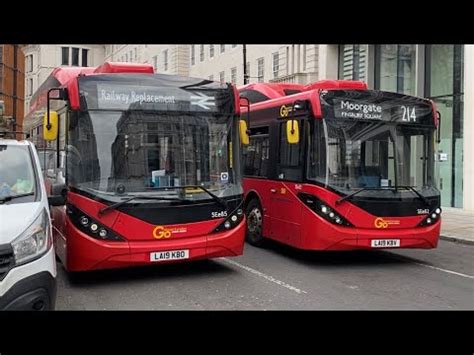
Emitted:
pixel 27 257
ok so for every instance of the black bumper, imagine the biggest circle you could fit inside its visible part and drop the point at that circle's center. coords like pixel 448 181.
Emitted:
pixel 35 293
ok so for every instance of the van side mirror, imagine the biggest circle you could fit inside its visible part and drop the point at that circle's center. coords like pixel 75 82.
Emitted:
pixel 244 135
pixel 292 132
pixel 50 127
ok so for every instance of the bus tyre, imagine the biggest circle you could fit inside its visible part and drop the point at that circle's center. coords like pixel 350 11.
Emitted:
pixel 254 213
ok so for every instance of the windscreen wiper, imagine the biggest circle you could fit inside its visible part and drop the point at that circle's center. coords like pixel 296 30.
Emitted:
pixel 222 202
pixel 394 188
pixel 342 199
pixel 411 188
pixel 11 197
pixel 118 204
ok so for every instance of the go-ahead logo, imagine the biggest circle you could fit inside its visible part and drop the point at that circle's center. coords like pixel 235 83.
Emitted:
pixel 161 232
pixel 285 110
pixel 381 223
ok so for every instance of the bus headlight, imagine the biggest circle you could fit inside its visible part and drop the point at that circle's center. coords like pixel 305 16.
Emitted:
pixel 90 226
pixel 233 220
pixel 322 209
pixel 431 218
pixel 34 241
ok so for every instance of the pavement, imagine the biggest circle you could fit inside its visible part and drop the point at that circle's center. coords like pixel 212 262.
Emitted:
pixel 457 225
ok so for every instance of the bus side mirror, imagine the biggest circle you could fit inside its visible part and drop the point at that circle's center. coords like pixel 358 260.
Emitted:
pixel 58 195
pixel 244 135
pixel 292 132
pixel 50 127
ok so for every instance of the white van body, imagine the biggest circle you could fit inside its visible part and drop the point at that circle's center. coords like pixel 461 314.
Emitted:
pixel 27 257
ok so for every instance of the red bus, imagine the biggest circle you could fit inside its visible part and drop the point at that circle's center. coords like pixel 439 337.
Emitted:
pixel 152 166
pixel 334 166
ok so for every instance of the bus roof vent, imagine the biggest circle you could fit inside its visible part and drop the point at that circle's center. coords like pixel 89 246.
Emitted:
pixel 115 67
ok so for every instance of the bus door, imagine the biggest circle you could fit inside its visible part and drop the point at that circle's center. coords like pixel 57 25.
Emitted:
pixel 285 207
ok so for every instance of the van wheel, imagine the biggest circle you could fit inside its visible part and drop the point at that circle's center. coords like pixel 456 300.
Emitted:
pixel 254 214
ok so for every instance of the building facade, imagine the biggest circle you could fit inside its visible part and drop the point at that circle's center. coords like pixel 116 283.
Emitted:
pixel 40 60
pixel 12 90
pixel 443 73
pixel 167 59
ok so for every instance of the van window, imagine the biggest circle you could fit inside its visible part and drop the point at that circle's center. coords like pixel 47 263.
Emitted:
pixel 17 176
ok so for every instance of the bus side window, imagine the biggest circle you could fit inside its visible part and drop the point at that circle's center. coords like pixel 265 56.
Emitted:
pixel 289 161
pixel 256 154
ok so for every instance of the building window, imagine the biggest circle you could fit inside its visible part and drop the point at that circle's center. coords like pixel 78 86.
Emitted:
pixel 211 77
pixel 136 56
pixel 233 75
pixel 30 86
pixel 234 45
pixel 276 64
pixel 64 55
pixel 304 57
pixel 75 57
pixel 247 69
pixel 126 57
pixel 155 62
pixel 395 68
pixel 85 53
pixel 222 48
pixel 165 60
pixel 444 84
pixel 131 56
pixel 211 51
pixel 193 54
pixel 201 53
pixel 260 69
pixel 352 61
pixel 222 77
pixel 29 63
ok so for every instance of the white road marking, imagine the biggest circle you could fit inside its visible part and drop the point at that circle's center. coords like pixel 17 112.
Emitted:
pixel 444 270
pixel 431 267
pixel 265 276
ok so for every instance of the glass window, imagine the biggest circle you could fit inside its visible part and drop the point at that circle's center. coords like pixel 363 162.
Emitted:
pixel 193 54
pixel 211 77
pixel 222 77
pixel 222 48
pixel 233 75
pixel 140 150
pixel 165 60
pixel 75 57
pixel 64 55
pixel 275 64
pixel 201 53
pixel 260 69
pixel 289 163
pixel 211 51
pixel 256 154
pixel 17 176
pixel 85 53
pixel 352 61
pixel 444 84
pixel 395 68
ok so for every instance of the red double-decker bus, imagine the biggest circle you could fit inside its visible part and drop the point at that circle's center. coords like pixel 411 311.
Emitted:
pixel 151 167
pixel 335 166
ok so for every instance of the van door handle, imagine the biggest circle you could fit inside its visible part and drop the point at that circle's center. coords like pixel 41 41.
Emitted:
pixel 273 191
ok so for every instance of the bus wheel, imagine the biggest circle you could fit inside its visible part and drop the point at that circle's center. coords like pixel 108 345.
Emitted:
pixel 254 214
